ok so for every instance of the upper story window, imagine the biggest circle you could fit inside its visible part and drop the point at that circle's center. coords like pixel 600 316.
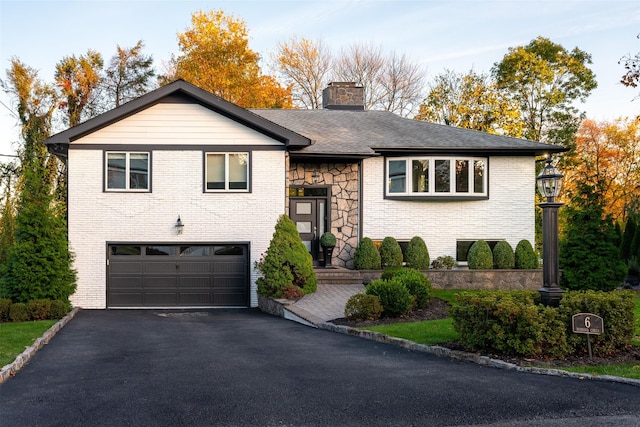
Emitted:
pixel 437 176
pixel 227 172
pixel 127 171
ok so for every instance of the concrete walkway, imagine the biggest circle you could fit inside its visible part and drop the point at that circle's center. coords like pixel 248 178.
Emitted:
pixel 327 303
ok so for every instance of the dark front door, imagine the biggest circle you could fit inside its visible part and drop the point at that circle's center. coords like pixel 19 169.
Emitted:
pixel 310 217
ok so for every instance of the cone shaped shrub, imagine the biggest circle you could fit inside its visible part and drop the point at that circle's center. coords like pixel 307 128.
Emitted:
pixel 417 255
pixel 286 263
pixel 503 256
pixel 525 256
pixel 480 256
pixel 390 253
pixel 367 256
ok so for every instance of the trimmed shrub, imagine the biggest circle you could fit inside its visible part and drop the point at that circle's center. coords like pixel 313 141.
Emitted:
pixel 59 309
pixel 39 309
pixel 367 256
pixel 510 323
pixel 395 298
pixel 391 272
pixel 287 262
pixel 418 285
pixel 5 306
pixel 443 263
pixel 503 256
pixel 328 239
pixel 616 310
pixel 363 307
pixel 417 254
pixel 19 312
pixel 390 253
pixel 480 256
pixel 525 256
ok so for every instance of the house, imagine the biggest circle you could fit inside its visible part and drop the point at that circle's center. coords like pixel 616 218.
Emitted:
pixel 172 197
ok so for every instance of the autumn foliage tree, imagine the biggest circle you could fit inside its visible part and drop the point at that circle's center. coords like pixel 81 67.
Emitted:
pixel 607 158
pixel 470 101
pixel 546 79
pixel 215 56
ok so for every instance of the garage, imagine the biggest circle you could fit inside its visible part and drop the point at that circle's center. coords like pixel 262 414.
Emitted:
pixel 169 275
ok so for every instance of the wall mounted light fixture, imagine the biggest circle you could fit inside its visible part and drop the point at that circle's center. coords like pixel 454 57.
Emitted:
pixel 179 225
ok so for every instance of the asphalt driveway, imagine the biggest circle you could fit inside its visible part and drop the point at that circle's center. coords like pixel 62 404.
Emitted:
pixel 242 367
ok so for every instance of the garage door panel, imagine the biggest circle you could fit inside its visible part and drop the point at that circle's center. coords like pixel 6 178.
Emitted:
pixel 194 282
pixel 188 267
pixel 152 275
pixel 126 267
pixel 160 282
pixel 126 282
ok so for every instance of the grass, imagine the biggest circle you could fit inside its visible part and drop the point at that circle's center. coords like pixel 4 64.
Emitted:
pixel 16 337
pixel 438 332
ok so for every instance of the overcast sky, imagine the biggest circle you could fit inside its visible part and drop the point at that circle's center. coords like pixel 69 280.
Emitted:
pixel 439 35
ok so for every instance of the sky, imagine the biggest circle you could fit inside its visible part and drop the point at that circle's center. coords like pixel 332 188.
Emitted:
pixel 458 35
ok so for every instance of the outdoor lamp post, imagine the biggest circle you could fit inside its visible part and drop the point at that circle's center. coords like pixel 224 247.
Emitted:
pixel 549 184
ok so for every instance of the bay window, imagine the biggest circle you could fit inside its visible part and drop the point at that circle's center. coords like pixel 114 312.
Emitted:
pixel 437 176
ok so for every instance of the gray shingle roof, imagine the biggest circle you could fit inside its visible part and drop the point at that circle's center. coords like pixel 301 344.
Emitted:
pixel 368 133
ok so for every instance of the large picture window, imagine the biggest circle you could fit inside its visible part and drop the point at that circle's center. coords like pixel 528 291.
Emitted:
pixel 127 171
pixel 227 172
pixel 437 176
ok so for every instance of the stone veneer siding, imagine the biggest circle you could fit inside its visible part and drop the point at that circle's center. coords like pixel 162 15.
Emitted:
pixel 343 181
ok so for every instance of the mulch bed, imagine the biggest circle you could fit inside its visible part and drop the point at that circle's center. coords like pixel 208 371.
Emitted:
pixel 437 309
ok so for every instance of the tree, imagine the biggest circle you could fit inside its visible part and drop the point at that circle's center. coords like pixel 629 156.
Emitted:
pixel 78 79
pixel 546 79
pixel 471 101
pixel 305 66
pixel 631 77
pixel 589 257
pixel 606 156
pixel 401 82
pixel 627 238
pixel 128 75
pixel 7 225
pixel 362 64
pixel 38 264
pixel 216 57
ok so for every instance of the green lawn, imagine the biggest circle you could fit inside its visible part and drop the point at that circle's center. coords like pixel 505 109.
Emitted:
pixel 16 337
pixel 439 332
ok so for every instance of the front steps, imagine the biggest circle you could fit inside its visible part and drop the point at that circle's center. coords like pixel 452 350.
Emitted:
pixel 337 276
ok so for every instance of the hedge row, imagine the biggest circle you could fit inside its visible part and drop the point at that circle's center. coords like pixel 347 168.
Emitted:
pixel 514 323
pixel 481 257
pixel 38 309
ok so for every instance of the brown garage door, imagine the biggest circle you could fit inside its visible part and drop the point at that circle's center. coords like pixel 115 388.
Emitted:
pixel 158 275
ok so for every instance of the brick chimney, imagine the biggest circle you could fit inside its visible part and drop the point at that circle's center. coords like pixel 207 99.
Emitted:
pixel 343 96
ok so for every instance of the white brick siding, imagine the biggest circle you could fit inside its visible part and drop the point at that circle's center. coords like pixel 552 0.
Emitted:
pixel 508 214
pixel 97 217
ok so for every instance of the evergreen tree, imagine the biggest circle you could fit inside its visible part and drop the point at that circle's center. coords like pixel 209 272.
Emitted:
pixel 627 237
pixel 589 257
pixel 7 225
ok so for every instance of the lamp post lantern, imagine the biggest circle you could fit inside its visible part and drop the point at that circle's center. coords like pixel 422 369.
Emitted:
pixel 549 184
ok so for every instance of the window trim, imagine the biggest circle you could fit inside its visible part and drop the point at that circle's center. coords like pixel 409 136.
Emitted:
pixel 431 194
pixel 127 188
pixel 226 172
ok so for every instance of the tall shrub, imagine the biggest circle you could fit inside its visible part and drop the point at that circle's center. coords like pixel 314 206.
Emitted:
pixel 525 256
pixel 480 256
pixel 367 256
pixel 627 237
pixel 417 255
pixel 390 253
pixel 588 255
pixel 503 256
pixel 286 263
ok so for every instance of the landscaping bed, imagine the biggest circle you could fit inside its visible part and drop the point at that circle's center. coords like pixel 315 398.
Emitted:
pixel 438 309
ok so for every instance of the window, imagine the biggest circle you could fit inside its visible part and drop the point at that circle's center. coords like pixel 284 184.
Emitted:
pixel 227 172
pixel 127 171
pixel 437 176
pixel 463 246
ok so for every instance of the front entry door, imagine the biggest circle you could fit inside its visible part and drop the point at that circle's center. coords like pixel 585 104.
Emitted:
pixel 309 215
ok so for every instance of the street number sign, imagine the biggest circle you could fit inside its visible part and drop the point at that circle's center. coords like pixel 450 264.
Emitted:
pixel 587 323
